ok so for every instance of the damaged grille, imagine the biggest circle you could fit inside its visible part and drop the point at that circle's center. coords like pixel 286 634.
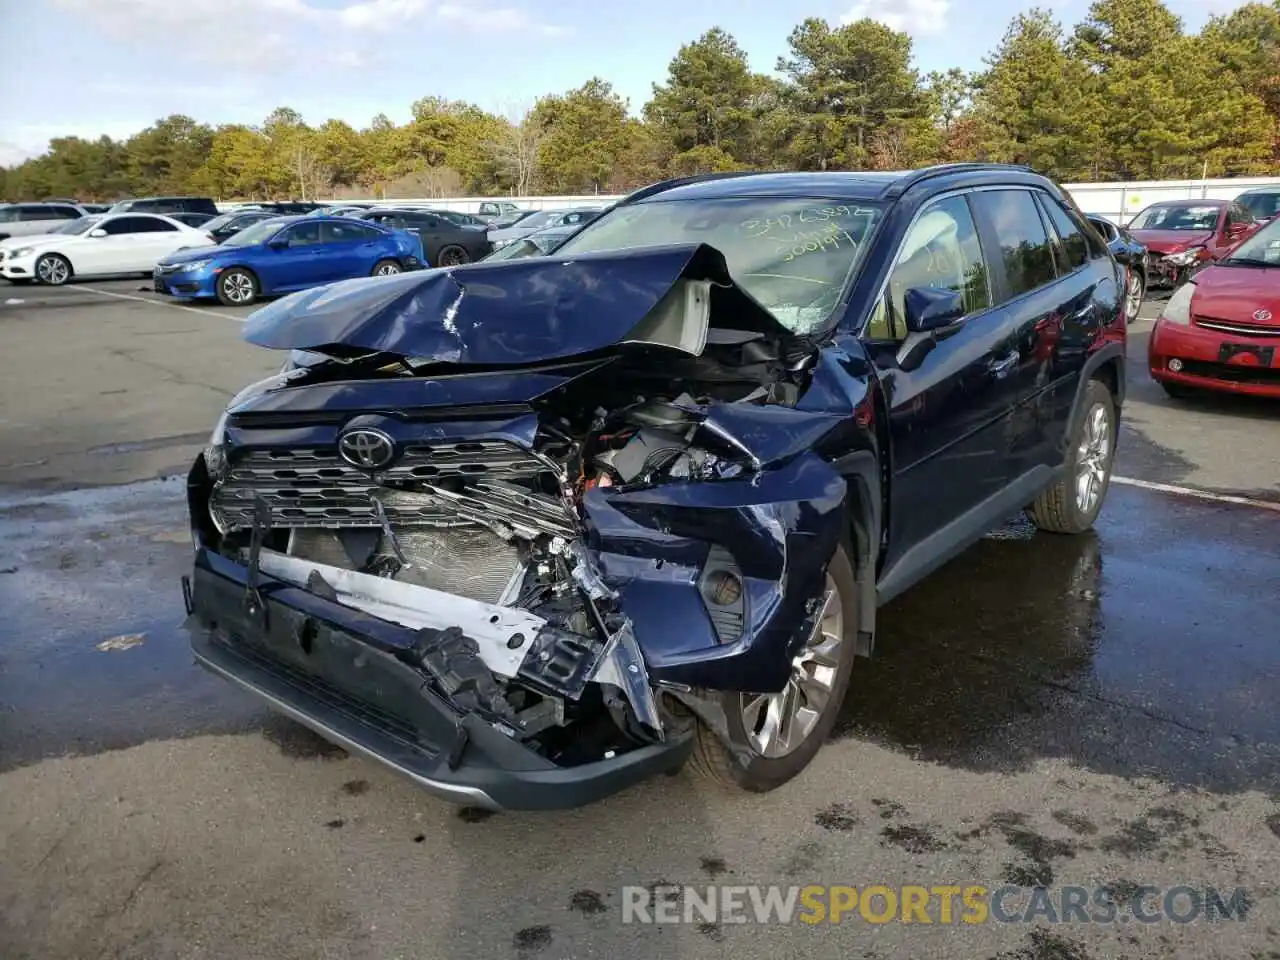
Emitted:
pixel 314 487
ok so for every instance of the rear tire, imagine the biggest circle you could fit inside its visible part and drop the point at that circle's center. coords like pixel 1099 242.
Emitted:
pixel 752 765
pixel 386 268
pixel 1073 503
pixel 453 256
pixel 237 287
pixel 53 270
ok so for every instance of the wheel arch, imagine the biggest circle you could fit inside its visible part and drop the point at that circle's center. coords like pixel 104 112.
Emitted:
pixel 861 472
pixel 59 252
pixel 1106 364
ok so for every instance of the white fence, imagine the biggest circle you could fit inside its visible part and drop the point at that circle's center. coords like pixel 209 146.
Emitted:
pixel 1116 201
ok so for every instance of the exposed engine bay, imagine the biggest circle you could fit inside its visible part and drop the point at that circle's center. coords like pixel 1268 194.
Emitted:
pixel 484 536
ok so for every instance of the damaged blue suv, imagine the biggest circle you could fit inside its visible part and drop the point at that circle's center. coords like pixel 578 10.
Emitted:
pixel 530 531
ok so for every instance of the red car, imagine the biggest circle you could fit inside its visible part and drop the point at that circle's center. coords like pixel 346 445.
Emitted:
pixel 1182 234
pixel 1221 329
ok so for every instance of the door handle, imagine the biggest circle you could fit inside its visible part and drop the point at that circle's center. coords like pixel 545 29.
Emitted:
pixel 1004 366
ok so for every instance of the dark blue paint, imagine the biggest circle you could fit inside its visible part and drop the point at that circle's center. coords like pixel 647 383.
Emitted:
pixel 781 526
pixel 503 312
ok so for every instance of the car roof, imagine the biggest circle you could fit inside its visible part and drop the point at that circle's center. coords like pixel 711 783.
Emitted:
pixel 836 185
pixel 1191 202
pixel 1252 191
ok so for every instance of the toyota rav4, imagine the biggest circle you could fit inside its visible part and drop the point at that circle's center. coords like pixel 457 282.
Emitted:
pixel 530 531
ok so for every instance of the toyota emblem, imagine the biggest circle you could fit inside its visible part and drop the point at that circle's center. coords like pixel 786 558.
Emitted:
pixel 1262 316
pixel 366 448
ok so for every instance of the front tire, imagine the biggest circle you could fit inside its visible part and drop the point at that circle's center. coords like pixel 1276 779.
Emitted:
pixel 1135 291
pixel 775 736
pixel 1072 504
pixel 237 287
pixel 386 268
pixel 53 269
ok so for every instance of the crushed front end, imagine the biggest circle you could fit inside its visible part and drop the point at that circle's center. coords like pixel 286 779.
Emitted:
pixel 515 585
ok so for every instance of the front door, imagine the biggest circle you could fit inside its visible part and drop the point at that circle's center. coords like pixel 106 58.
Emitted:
pixel 946 402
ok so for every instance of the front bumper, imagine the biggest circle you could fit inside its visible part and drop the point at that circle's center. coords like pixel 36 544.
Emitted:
pixel 1201 355
pixel 343 673
pixel 186 284
pixel 22 268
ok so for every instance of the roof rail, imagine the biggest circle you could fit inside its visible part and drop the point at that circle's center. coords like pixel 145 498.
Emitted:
pixel 663 185
pixel 901 186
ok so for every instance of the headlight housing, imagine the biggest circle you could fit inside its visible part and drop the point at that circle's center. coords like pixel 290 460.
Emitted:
pixel 193 265
pixel 1178 308
pixel 21 252
pixel 1190 255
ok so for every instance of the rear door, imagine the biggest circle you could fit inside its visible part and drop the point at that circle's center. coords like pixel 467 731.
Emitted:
pixel 946 402
pixel 351 249
pixel 158 238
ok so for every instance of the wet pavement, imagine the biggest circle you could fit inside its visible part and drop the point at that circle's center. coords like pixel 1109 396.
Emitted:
pixel 1095 709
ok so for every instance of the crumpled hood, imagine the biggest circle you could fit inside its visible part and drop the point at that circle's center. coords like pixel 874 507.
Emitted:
pixel 506 312
pixel 1171 241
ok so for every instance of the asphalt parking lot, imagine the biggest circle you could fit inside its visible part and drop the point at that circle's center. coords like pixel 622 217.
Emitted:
pixel 1093 711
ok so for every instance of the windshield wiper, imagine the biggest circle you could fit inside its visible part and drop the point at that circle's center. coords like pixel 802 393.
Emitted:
pixel 1250 262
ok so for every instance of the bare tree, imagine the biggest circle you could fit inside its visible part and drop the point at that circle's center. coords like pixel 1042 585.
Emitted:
pixel 516 152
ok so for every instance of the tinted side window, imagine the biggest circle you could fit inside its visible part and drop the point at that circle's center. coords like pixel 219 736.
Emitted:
pixel 34 211
pixel 156 225
pixel 1070 246
pixel 304 234
pixel 9 215
pixel 65 213
pixel 940 250
pixel 1020 235
pixel 331 232
pixel 1237 214
pixel 121 225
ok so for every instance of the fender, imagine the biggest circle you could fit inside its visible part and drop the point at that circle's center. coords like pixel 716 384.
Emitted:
pixel 1112 351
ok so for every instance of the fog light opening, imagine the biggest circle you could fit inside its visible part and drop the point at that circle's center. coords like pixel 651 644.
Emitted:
pixel 1175 365
pixel 723 589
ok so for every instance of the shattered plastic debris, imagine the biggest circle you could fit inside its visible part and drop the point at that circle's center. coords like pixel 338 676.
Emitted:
pixel 125 641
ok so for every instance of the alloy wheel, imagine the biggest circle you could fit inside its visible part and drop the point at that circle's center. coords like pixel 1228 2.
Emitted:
pixel 1093 458
pixel 1133 295
pixel 53 271
pixel 453 258
pixel 387 270
pixel 238 287
pixel 778 723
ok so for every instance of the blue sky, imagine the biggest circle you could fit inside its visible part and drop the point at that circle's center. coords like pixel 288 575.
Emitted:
pixel 89 67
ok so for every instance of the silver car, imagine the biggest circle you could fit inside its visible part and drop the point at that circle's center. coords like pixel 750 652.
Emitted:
pixel 541 221
pixel 28 219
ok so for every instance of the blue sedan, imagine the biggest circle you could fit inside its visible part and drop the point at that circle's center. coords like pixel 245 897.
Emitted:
pixel 285 254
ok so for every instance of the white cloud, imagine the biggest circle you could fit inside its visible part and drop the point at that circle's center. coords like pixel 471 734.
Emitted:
pixel 916 17
pixel 263 36
pixel 501 19
pixel 12 154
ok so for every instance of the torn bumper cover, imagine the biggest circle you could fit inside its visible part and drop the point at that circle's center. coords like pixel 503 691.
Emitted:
pixel 359 681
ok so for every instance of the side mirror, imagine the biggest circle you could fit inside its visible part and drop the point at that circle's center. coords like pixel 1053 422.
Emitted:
pixel 99 232
pixel 931 308
pixel 278 243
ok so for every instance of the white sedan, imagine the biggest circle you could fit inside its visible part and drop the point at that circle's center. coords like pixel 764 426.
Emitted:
pixel 97 246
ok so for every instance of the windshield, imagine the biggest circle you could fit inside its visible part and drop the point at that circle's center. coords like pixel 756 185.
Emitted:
pixel 540 219
pixel 794 255
pixel 528 247
pixel 1264 206
pixel 260 232
pixel 222 220
pixel 1177 217
pixel 77 227
pixel 1262 247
